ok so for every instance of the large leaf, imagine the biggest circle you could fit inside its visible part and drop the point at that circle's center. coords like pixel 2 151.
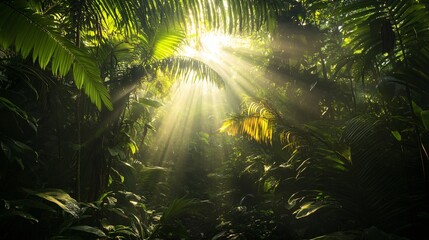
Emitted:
pixel 60 198
pixel 33 33
pixel 89 229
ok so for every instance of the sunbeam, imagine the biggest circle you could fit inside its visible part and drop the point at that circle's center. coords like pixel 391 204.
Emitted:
pixel 199 106
pixel 196 107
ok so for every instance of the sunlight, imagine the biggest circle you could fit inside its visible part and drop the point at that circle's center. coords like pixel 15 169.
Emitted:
pixel 198 107
pixel 194 109
pixel 212 45
pixel 208 47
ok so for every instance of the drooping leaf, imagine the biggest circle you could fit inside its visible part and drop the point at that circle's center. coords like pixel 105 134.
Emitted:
pixel 30 32
pixel 60 198
pixel 192 70
pixel 12 212
pixel 89 229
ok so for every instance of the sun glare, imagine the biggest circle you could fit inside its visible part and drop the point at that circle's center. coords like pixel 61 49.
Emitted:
pixel 197 107
pixel 212 45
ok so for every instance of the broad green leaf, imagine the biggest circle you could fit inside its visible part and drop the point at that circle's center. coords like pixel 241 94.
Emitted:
pixel 308 208
pixel 11 213
pixel 115 151
pixel 424 115
pixel 60 198
pixel 417 109
pixel 89 229
pixel 150 102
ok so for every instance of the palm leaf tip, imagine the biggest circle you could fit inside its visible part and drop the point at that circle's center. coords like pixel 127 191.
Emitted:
pixel 192 69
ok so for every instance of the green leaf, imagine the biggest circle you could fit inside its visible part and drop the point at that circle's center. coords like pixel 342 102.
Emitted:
pixel 150 102
pixel 18 111
pixel 417 109
pixel 347 235
pixel 424 115
pixel 89 229
pixel 166 42
pixel 308 208
pixel 178 207
pixel 60 198
pixel 397 135
pixel 115 151
pixel 22 214
pixel 32 32
pixel 191 69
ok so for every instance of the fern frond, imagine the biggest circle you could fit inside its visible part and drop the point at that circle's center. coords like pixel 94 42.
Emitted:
pixel 31 32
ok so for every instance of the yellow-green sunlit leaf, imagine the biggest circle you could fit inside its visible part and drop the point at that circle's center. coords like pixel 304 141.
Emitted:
pixel 166 42
pixel 60 198
pixel 257 128
pixel 308 208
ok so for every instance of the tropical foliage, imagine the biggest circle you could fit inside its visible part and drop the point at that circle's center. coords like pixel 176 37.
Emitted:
pixel 331 142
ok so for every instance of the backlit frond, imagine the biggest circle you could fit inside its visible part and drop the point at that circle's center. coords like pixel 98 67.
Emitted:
pixel 259 107
pixel 257 121
pixel 229 16
pixel 191 69
pixel 255 127
pixel 166 42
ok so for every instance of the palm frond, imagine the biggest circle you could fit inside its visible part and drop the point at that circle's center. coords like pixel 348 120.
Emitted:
pixel 124 13
pixel 31 32
pixel 190 69
pixel 257 128
pixel 257 121
pixel 166 42
pixel 377 27
pixel 362 183
pixel 376 167
pixel 228 16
